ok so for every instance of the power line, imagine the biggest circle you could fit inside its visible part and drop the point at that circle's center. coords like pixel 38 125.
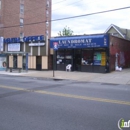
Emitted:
pixel 57 9
pixel 71 17
pixel 34 9
pixel 27 10
pixel 53 10
pixel 59 2
pixel 91 14
pixel 37 8
pixel 69 4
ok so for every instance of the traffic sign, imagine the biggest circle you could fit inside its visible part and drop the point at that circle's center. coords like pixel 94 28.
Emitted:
pixel 55 45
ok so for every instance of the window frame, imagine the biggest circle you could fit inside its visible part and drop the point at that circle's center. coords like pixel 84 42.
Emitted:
pixel 21 22
pixel 21 8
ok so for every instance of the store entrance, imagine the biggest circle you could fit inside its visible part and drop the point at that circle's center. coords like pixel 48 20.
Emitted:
pixel 15 61
pixel 38 62
pixel 77 60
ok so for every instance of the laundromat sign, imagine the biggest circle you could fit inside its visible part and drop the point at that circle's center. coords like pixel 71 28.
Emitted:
pixel 24 39
pixel 80 41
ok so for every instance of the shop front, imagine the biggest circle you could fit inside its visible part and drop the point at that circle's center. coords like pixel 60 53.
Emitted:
pixel 30 52
pixel 3 62
pixel 84 53
pixel 15 57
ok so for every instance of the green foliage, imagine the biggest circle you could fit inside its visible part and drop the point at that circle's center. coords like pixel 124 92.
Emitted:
pixel 66 32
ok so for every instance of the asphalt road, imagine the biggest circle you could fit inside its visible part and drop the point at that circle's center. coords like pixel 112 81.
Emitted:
pixel 41 104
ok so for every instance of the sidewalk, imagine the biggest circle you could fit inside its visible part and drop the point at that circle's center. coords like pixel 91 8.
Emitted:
pixel 115 77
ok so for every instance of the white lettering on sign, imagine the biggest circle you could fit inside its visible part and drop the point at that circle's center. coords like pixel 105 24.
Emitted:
pixel 75 41
pixel 36 44
pixel 88 40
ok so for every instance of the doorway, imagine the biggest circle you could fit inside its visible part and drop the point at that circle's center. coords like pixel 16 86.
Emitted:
pixel 15 61
pixel 38 63
pixel 77 60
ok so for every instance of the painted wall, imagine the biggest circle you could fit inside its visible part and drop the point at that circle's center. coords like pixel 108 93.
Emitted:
pixel 122 47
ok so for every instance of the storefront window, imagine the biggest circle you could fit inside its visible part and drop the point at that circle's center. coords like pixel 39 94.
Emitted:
pixel 60 59
pixel 100 57
pixel 97 58
pixel 87 57
pixel 103 59
pixel 68 56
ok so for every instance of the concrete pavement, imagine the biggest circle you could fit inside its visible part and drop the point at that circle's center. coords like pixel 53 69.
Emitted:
pixel 115 77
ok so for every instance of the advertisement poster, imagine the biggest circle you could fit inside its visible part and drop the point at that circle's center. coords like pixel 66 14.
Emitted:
pixel 103 60
pixel 3 63
pixel 14 47
pixel 97 58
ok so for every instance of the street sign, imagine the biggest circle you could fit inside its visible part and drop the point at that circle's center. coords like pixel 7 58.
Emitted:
pixel 55 45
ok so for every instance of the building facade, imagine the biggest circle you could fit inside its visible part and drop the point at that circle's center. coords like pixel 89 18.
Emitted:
pixel 25 18
pixel 90 53
pixel 26 23
pixel 118 32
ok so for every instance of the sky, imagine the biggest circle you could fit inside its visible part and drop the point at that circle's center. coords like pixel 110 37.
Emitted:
pixel 92 24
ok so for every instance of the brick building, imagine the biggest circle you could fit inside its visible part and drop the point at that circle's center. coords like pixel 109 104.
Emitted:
pixel 90 53
pixel 27 18
pixel 16 14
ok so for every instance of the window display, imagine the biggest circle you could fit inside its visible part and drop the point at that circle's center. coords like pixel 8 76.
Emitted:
pixel 64 56
pixel 86 60
pixel 87 57
pixel 103 59
pixel 100 58
pixel 60 57
pixel 68 56
pixel 97 58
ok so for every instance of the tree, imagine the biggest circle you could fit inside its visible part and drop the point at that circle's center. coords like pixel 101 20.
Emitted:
pixel 66 32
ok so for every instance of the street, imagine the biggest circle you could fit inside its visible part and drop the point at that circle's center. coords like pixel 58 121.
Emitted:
pixel 28 103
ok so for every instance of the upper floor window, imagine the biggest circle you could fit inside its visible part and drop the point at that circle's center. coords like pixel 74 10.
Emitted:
pixel 115 34
pixel 46 32
pixel 47 3
pixel 21 34
pixel 47 12
pixel 21 22
pixel 47 23
pixel 21 8
pixel 0 4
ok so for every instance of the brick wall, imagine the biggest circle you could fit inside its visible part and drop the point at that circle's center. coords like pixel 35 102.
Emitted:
pixel 34 12
pixel 10 17
pixel 118 45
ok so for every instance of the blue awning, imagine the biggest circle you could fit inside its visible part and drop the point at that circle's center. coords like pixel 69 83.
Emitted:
pixel 86 41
